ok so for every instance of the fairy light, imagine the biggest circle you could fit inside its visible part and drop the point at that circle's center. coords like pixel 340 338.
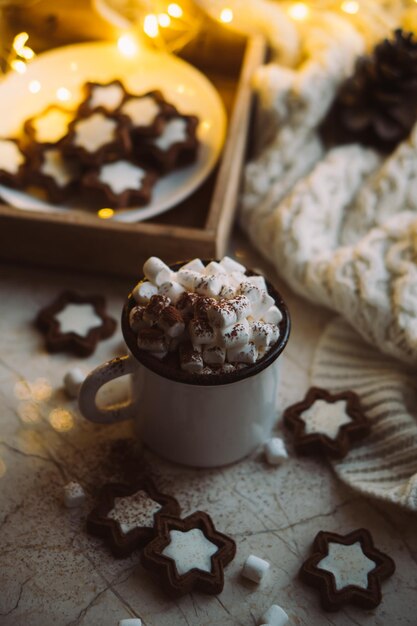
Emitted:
pixel 350 6
pixel 63 94
pixel 105 213
pixel 164 20
pixel 19 66
pixel 150 26
pixel 298 11
pixel 226 16
pixel 127 45
pixel 19 42
pixel 174 10
pixel 34 86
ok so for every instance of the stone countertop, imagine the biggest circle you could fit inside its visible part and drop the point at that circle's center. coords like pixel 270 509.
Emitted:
pixel 53 574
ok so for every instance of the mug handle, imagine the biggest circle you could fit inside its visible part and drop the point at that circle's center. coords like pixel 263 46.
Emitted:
pixel 102 374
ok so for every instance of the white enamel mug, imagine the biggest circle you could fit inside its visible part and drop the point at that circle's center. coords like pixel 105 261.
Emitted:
pixel 201 421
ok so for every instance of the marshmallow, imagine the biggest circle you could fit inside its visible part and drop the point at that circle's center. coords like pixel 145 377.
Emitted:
pixel 227 291
pixel 235 278
pixel 261 334
pixel 230 265
pixel 74 495
pixel 155 307
pixel 152 339
pixel 190 359
pixel 209 285
pixel 172 290
pixel 222 314
pixel 258 281
pixel 73 380
pixel 144 291
pixel 201 332
pixel 265 304
pixel 241 306
pixel 196 265
pixel 274 616
pixel 253 294
pixel 275 334
pixel 255 568
pixel 136 320
pixel 171 321
pixel 207 371
pixel 159 355
pixel 273 315
pixel 227 368
pixel 130 621
pixel 236 335
pixel 214 268
pixel 186 303
pixel 153 266
pixel 203 305
pixel 164 276
pixel 214 355
pixel 188 278
pixel 275 451
pixel 243 354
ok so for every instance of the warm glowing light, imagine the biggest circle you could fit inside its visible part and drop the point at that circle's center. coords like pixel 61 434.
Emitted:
pixel 164 20
pixel 34 86
pixel 41 389
pixel 226 16
pixel 73 66
pixel 174 10
pixel 29 412
pixel 298 11
pixel 3 468
pixel 63 94
pixel 18 66
pixel 351 7
pixel 27 53
pixel 19 42
pixel 150 26
pixel 105 213
pixel 128 45
pixel 61 420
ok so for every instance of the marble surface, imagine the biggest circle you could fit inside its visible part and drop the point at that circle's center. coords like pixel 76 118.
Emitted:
pixel 53 573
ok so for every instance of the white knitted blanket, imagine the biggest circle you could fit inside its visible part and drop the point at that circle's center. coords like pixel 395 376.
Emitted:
pixel 340 227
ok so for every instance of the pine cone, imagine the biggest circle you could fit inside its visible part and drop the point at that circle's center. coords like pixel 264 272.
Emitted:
pixel 377 106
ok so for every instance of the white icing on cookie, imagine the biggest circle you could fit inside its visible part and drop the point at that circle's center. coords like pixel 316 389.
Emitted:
pixel 78 318
pixel 190 549
pixel 10 156
pixel 107 96
pixel 175 131
pixel 348 564
pixel 54 165
pixel 122 175
pixel 325 418
pixel 142 111
pixel 94 132
pixel 134 511
pixel 52 125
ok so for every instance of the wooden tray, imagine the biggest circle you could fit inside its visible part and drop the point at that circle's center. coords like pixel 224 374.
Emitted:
pixel 197 227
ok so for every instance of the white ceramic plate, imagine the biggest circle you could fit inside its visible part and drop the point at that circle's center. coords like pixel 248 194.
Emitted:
pixel 63 71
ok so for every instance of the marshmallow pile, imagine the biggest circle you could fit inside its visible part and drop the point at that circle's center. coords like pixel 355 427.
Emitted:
pixel 216 317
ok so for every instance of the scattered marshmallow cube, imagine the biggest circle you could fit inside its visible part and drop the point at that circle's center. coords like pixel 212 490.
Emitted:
pixel 222 314
pixel 136 321
pixel 201 333
pixel 258 281
pixel 261 334
pixel 191 359
pixel 144 291
pixel 227 291
pixel 242 307
pixel 164 276
pixel 73 381
pixel 153 266
pixel 253 294
pixel 188 278
pixel 214 355
pixel 274 616
pixel 265 304
pixel 230 265
pixel 273 315
pixel 209 285
pixel 255 568
pixel 130 621
pixel 243 354
pixel 74 495
pixel 236 335
pixel 214 268
pixel 275 451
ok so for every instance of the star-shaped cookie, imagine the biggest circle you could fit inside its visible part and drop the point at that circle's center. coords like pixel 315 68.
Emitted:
pixel 189 554
pixel 347 569
pixel 126 514
pixel 326 423
pixel 75 323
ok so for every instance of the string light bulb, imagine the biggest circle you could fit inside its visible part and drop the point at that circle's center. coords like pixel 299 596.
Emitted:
pixel 298 11
pixel 174 10
pixel 127 45
pixel 350 6
pixel 150 26
pixel 226 16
